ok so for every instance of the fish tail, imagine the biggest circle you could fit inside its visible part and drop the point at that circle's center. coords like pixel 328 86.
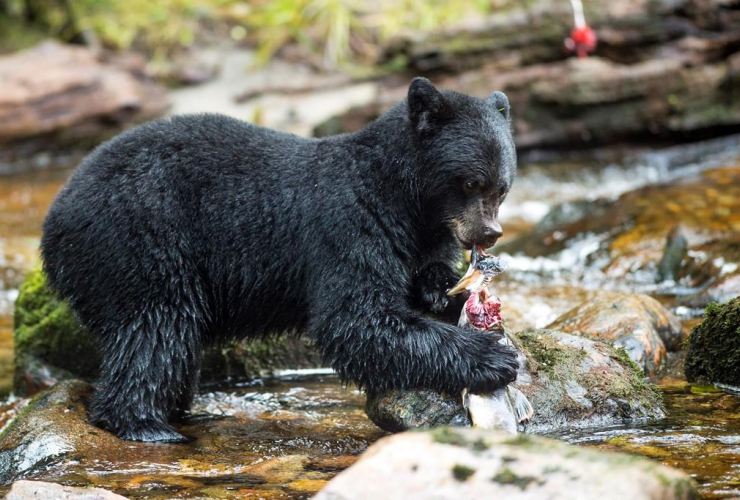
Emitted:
pixel 520 405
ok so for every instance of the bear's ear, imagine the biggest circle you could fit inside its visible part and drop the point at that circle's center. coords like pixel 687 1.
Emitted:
pixel 501 103
pixel 426 104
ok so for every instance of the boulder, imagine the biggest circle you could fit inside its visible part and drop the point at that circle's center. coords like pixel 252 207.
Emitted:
pixel 456 463
pixel 69 95
pixel 713 353
pixel 51 345
pixel 634 322
pixel 570 380
pixel 34 490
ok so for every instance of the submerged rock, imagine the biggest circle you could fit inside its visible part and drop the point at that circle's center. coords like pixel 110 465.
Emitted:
pixel 571 381
pixel 635 322
pixel 51 345
pixel 28 490
pixel 713 353
pixel 472 463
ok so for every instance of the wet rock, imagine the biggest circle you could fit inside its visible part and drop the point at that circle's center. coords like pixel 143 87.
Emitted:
pixel 571 382
pixel 51 345
pixel 48 431
pixel 251 443
pixel 66 95
pixel 713 353
pixel 714 267
pixel 402 410
pixel 676 247
pixel 634 322
pixel 28 490
pixel 280 469
pixel 470 463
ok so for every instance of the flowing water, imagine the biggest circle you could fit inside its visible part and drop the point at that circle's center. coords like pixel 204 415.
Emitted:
pixel 285 437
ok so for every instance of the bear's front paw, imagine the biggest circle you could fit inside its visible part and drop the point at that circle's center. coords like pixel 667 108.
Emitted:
pixel 432 284
pixel 496 367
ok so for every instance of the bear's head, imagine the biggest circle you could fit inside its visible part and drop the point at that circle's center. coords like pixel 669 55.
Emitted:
pixel 467 159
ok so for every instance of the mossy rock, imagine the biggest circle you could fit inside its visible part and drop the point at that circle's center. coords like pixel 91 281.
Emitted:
pixel 452 463
pixel 713 353
pixel 570 380
pixel 51 345
pixel 573 381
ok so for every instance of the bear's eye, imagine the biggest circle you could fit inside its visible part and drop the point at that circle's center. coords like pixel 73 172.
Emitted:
pixel 471 186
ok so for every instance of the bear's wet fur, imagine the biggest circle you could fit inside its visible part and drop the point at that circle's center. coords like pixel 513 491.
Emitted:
pixel 203 228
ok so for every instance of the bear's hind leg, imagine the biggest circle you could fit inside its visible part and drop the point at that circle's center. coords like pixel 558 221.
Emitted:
pixel 149 366
pixel 185 401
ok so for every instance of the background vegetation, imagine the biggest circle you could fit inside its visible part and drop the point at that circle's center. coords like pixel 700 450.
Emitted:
pixel 334 32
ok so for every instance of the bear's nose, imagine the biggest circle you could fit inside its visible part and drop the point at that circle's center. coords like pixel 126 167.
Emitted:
pixel 493 231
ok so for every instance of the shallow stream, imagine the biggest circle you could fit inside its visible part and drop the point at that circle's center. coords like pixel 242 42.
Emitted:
pixel 283 438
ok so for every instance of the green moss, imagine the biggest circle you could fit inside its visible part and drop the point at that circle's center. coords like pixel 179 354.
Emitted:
pixel 621 355
pixel 480 445
pixel 520 440
pixel 548 356
pixel 632 386
pixel 713 353
pixel 446 435
pixel 462 472
pixel 46 329
pixel 507 476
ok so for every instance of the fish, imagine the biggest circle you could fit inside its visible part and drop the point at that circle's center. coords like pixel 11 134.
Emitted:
pixel 506 407
pixel 483 268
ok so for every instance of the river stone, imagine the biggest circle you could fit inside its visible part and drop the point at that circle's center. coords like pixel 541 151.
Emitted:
pixel 570 380
pixel 34 490
pixel 635 322
pixel 53 426
pixel 60 95
pixel 401 410
pixel 472 463
pixel 713 353
pixel 714 267
pixel 51 345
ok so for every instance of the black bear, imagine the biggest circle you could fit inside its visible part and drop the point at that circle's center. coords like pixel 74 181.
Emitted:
pixel 202 228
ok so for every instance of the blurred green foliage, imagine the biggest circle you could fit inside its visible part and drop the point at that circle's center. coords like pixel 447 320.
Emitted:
pixel 336 32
